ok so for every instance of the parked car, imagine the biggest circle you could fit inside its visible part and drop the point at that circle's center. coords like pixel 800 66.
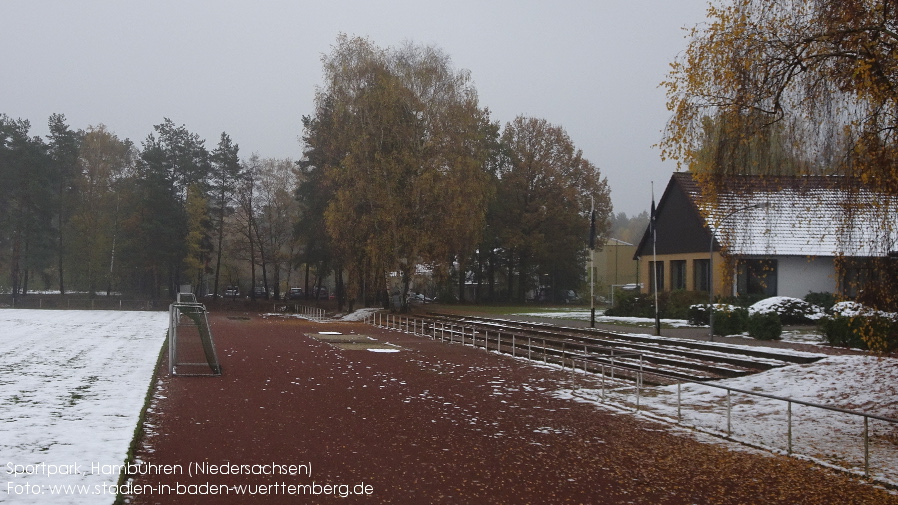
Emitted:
pixel 294 293
pixel 232 292
pixel 419 298
pixel 323 293
pixel 259 292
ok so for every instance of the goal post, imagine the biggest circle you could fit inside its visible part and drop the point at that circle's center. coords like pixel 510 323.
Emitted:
pixel 191 349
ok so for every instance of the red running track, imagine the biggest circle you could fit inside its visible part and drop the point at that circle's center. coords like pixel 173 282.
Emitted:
pixel 431 424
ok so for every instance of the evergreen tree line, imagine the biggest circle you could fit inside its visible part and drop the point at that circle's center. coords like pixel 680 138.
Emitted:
pixel 87 211
pixel 404 176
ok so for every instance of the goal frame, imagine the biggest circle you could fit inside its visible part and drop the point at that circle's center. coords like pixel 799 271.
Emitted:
pixel 188 313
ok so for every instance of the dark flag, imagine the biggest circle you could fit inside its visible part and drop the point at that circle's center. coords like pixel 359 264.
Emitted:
pixel 592 231
pixel 652 219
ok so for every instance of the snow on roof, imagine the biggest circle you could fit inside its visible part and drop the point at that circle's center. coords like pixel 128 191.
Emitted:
pixel 800 216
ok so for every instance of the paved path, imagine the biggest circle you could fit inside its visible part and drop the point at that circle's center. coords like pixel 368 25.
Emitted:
pixel 432 423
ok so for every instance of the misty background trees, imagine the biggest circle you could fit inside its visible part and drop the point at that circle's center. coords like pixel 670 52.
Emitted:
pixel 403 175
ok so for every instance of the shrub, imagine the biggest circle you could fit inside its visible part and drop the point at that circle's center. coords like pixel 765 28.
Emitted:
pixel 790 310
pixel 744 300
pixel 823 300
pixel 854 325
pixel 765 326
pixel 842 331
pixel 678 304
pixel 632 305
pixel 671 304
pixel 698 315
pixel 729 320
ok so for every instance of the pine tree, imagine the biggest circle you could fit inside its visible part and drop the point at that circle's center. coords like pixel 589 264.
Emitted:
pixel 224 179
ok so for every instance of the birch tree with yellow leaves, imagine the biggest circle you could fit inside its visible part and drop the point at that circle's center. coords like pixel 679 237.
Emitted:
pixel 402 144
pixel 818 77
pixel 821 73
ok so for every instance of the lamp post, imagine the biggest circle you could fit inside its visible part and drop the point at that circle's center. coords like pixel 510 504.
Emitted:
pixel 711 263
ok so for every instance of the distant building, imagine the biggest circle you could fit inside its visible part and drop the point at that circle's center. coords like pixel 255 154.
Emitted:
pixel 614 267
pixel 768 235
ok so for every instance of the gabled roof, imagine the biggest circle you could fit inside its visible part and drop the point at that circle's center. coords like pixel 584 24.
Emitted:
pixel 678 224
pixel 794 215
pixel 616 242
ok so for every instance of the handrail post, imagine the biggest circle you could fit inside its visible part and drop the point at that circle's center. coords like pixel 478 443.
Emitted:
pixel 729 414
pixel 866 446
pixel 789 428
pixel 639 383
pixel 679 403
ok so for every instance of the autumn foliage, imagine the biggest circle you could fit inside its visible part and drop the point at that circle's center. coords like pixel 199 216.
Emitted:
pixel 407 170
pixel 782 88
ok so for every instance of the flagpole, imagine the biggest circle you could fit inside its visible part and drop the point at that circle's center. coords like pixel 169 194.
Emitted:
pixel 592 255
pixel 655 263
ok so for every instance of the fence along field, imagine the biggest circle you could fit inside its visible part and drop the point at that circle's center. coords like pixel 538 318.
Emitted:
pixel 785 421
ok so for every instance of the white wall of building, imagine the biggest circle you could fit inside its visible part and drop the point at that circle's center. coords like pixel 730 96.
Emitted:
pixel 797 276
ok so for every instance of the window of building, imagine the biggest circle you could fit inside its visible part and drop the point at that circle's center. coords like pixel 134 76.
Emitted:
pixel 756 277
pixel 678 274
pixel 854 274
pixel 700 269
pixel 656 270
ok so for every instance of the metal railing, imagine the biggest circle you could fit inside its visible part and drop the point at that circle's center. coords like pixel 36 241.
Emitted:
pixel 505 342
pixel 306 312
pixel 615 379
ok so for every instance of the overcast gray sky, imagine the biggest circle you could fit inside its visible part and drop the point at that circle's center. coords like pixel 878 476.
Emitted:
pixel 250 67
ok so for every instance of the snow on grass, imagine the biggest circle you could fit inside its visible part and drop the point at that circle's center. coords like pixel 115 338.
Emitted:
pixel 358 315
pixel 72 384
pixel 858 383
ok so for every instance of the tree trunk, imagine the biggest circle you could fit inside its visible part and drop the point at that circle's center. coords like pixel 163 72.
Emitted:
pixel 307 293
pixel 252 263
pixel 340 288
pixel 478 293
pixel 510 275
pixel 403 295
pixel 60 258
pixel 491 276
pixel 218 251
pixel 522 279
pixel 14 263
